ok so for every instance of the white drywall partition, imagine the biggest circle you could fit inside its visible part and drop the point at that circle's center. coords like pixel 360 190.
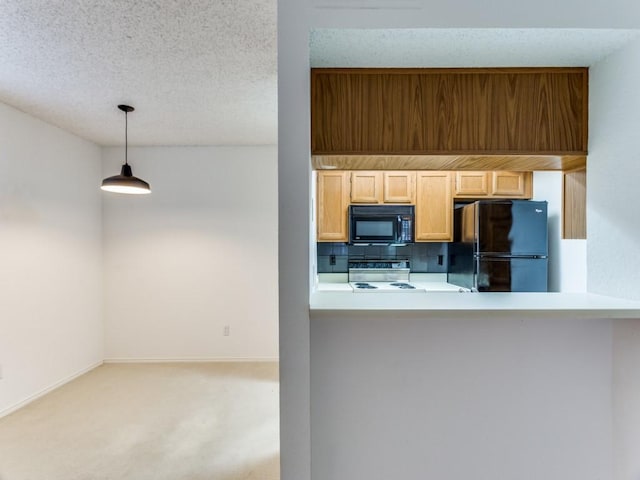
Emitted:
pixel 191 270
pixel 415 396
pixel 613 170
pixel 613 231
pixel 295 20
pixel 50 267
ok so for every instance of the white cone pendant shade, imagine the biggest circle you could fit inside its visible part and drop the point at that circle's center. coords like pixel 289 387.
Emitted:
pixel 125 182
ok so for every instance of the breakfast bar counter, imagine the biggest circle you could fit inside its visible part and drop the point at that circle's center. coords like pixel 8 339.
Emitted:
pixel 585 304
pixel 433 294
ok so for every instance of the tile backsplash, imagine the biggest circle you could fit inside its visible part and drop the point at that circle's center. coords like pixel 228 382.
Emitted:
pixel 423 257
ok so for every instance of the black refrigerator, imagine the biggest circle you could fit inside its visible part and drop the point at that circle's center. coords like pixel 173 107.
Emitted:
pixel 500 246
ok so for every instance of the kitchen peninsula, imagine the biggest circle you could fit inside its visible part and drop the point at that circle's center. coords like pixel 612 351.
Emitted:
pixel 427 394
pixel 573 305
pixel 430 293
pixel 369 150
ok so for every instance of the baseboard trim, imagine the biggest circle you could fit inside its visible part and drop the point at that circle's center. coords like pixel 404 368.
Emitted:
pixel 49 389
pixel 190 359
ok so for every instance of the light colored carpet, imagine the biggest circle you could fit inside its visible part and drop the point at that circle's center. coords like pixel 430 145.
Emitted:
pixel 192 421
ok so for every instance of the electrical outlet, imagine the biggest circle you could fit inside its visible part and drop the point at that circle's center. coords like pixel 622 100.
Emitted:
pixel 332 259
pixel 226 330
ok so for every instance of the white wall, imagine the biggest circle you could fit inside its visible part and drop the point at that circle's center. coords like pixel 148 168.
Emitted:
pixel 197 254
pixel 293 238
pixel 50 268
pixel 416 397
pixel 613 223
pixel 613 230
pixel 567 258
pixel 626 399
pixel 295 19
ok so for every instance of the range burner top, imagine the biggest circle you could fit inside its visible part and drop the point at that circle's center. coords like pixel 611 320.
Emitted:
pixel 384 287
pixel 381 276
pixel 363 285
pixel 402 285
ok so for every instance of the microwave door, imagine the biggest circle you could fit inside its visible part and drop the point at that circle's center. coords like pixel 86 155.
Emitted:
pixel 374 229
pixel 384 224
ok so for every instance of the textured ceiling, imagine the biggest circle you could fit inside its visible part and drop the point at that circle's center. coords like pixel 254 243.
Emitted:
pixel 464 47
pixel 197 71
pixel 204 72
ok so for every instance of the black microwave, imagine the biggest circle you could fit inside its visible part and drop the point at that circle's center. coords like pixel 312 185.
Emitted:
pixel 381 224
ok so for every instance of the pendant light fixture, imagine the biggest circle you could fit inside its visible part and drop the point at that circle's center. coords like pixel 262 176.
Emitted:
pixel 125 182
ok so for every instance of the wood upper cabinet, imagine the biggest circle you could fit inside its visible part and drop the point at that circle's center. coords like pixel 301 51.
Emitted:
pixel 498 184
pixel 332 197
pixel 399 187
pixel 511 184
pixel 449 111
pixel 366 187
pixel 434 207
pixel 472 184
pixel 383 187
pixel 432 192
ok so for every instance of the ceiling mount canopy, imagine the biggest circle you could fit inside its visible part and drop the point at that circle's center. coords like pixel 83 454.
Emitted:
pixel 125 182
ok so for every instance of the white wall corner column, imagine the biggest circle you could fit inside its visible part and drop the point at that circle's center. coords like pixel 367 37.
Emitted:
pixel 293 210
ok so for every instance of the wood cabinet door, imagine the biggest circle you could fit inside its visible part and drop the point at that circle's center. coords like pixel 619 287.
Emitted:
pixel 574 204
pixel 399 187
pixel 333 202
pixel 472 184
pixel 511 184
pixel 434 207
pixel 366 187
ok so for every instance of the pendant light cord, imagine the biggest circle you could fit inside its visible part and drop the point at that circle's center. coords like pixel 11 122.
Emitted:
pixel 126 140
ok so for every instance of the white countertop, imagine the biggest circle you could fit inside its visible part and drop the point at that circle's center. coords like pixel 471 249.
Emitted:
pixel 443 297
